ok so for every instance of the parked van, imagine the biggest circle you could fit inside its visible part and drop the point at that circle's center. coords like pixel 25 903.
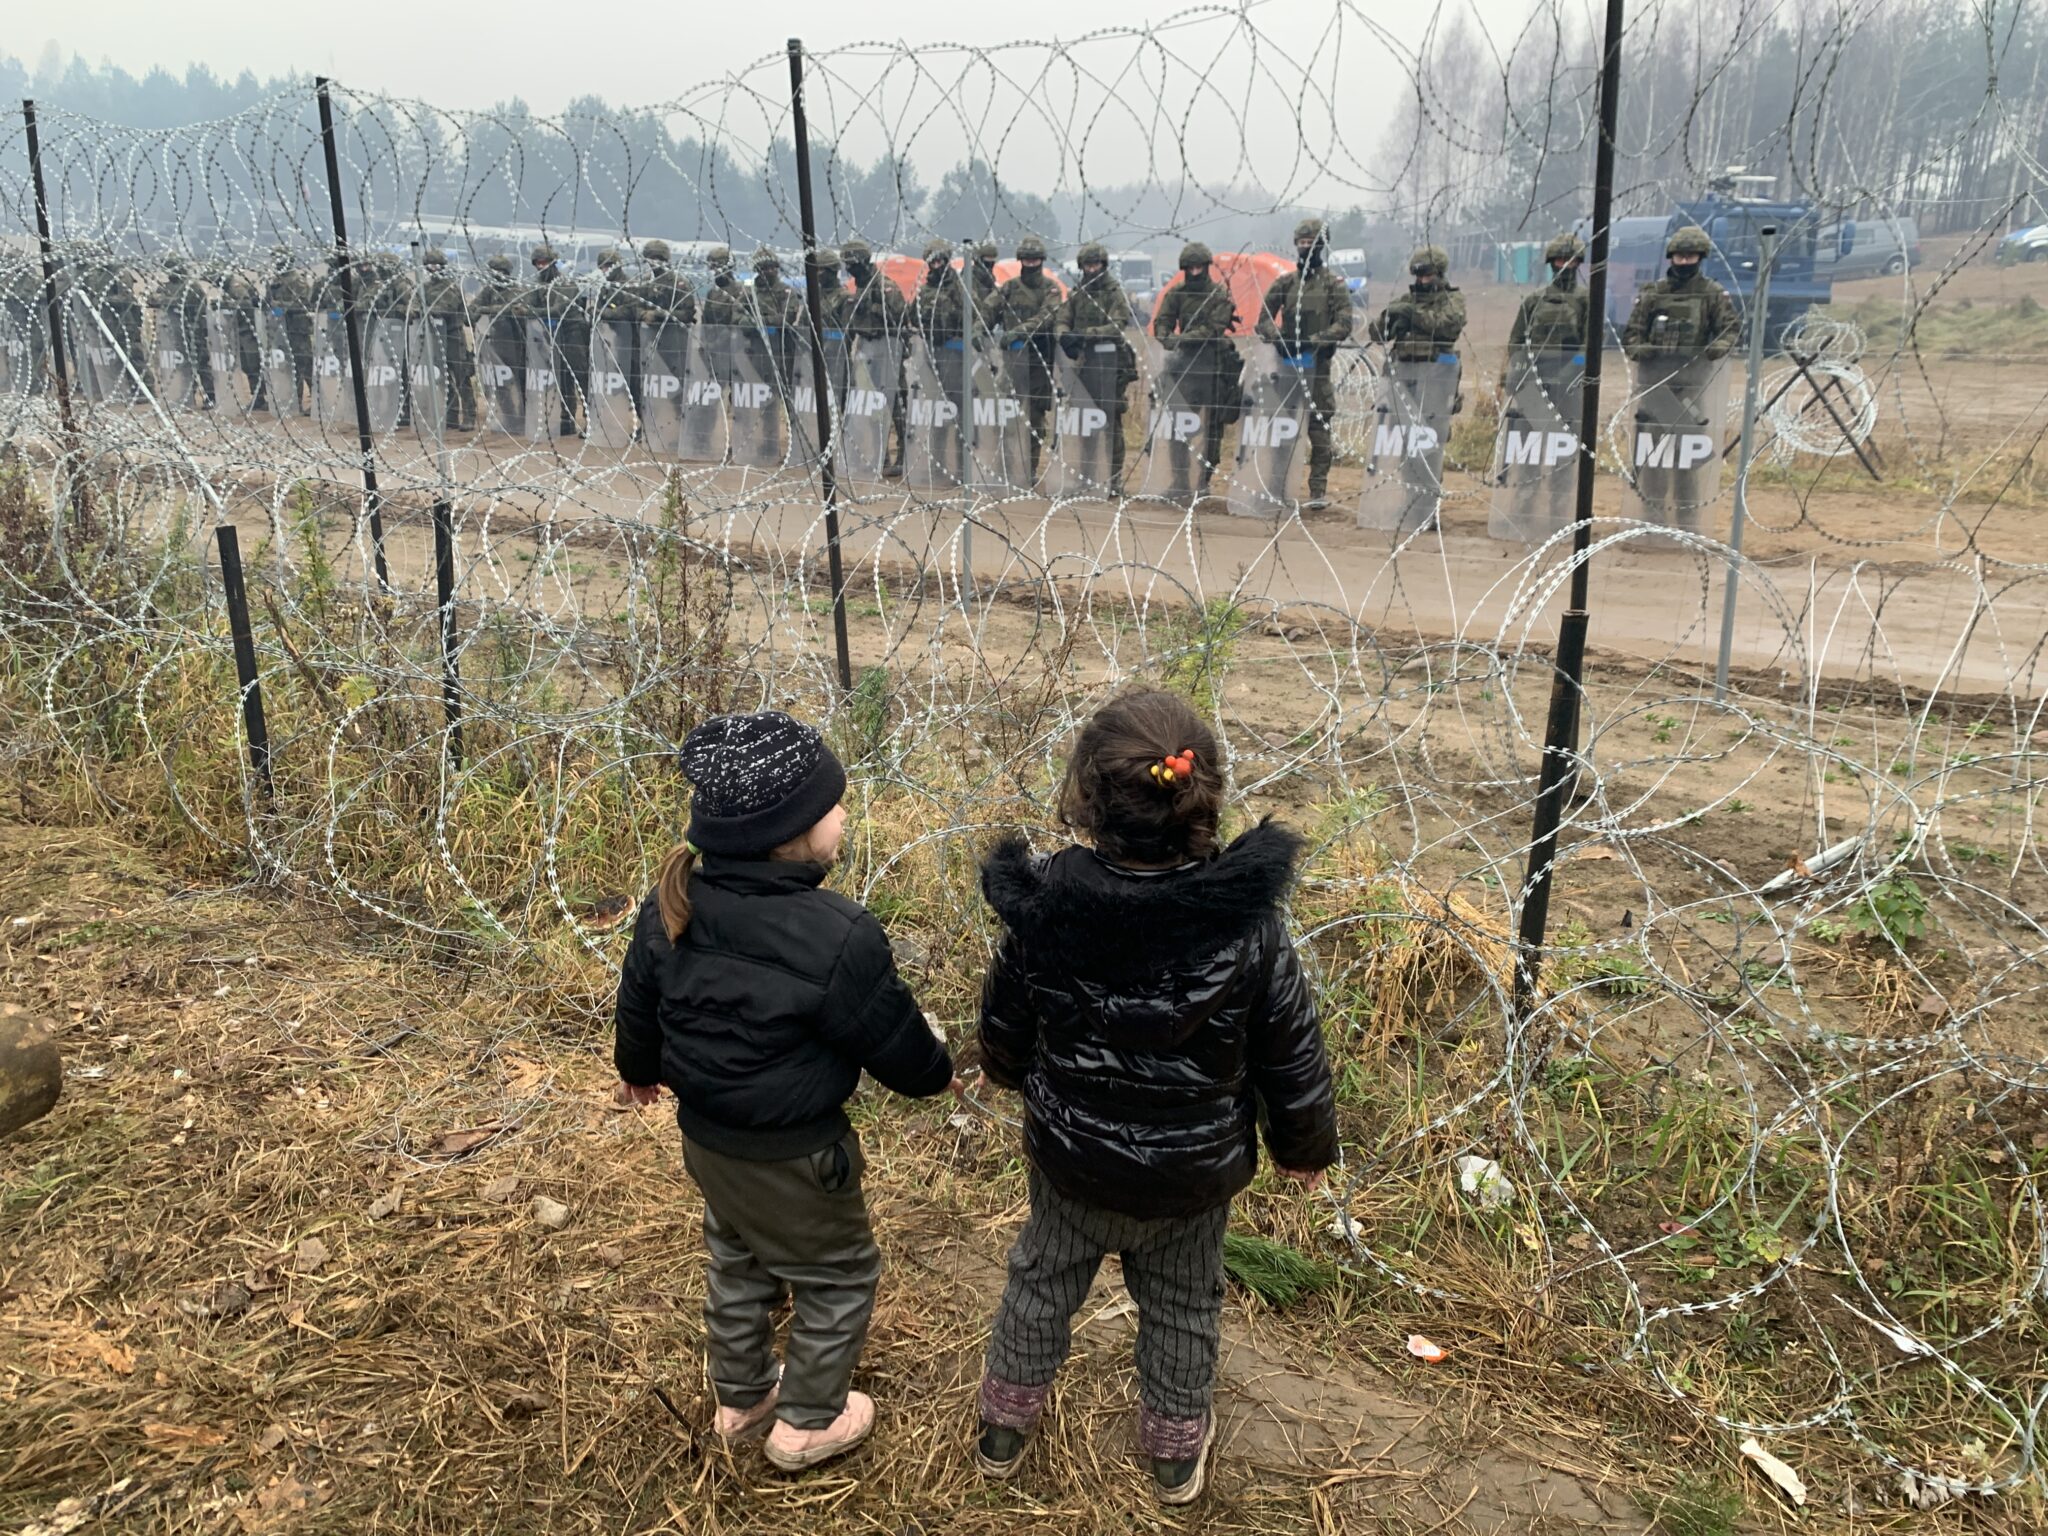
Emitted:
pixel 1881 247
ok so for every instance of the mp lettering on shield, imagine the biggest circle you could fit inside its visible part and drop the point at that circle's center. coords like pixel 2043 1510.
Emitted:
pixel 1081 420
pixel 864 402
pixel 498 375
pixel 752 396
pixel 1175 426
pixel 609 381
pixel 1392 440
pixel 706 392
pixel 926 412
pixel 1663 450
pixel 1270 431
pixel 662 386
pixel 1545 448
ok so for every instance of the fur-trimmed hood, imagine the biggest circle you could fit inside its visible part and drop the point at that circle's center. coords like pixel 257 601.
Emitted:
pixel 1076 907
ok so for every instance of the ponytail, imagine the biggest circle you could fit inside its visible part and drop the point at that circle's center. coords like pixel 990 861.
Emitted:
pixel 672 889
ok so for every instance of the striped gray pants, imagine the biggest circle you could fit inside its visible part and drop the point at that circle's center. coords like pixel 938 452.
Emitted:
pixel 1173 1268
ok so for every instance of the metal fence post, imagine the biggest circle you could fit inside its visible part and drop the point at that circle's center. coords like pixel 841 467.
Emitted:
pixel 1759 321
pixel 237 596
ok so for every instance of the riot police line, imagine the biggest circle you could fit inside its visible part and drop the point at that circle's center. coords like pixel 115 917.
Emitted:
pixel 933 388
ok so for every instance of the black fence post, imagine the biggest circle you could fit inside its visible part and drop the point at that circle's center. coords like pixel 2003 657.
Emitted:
pixel 821 382
pixel 237 597
pixel 444 598
pixel 53 298
pixel 351 320
pixel 1558 771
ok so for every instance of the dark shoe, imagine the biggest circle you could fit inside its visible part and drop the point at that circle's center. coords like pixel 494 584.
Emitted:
pixel 1317 502
pixel 1181 1482
pixel 999 1450
pixel 892 471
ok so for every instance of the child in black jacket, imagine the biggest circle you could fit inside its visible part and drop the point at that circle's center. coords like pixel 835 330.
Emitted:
pixel 757 997
pixel 1148 1004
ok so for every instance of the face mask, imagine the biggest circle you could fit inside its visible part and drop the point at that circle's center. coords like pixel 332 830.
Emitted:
pixel 1032 273
pixel 858 271
pixel 1194 277
pixel 1565 279
pixel 1679 274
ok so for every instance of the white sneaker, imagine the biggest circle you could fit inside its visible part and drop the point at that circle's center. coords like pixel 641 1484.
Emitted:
pixel 794 1449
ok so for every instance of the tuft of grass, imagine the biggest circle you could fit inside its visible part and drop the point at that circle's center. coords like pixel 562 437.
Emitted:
pixel 1278 1275
pixel 1697 1506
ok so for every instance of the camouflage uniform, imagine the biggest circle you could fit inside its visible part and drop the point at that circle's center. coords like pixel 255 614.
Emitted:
pixel 288 307
pixel 1193 325
pixel 940 309
pixel 666 303
pixel 241 298
pixel 21 295
pixel 1553 319
pixel 613 301
pixel 182 305
pixel 1098 309
pixel 1427 321
pixel 113 297
pixel 1026 314
pixel 773 321
pixel 555 302
pixel 1682 316
pixel 876 310
pixel 1309 310
pixel 726 303
pixel 501 317
pixel 448 314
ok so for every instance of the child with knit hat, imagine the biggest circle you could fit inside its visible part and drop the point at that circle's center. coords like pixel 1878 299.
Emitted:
pixel 757 997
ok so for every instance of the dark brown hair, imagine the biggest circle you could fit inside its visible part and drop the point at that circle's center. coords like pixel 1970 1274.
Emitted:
pixel 672 881
pixel 1112 797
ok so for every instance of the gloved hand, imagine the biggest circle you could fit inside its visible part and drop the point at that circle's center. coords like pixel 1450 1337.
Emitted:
pixel 1071 345
pixel 1267 330
pixel 1170 341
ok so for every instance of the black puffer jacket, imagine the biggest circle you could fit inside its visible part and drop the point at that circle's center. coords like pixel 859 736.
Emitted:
pixel 761 1019
pixel 1153 1021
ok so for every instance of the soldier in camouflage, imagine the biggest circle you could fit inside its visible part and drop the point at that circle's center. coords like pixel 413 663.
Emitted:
pixel 1426 322
pixel 554 301
pixel 774 321
pixel 183 303
pixel 501 319
pixel 1025 313
pixel 448 314
pixel 288 308
pixel 666 303
pixel 241 296
pixel 940 312
pixel 21 296
pixel 875 310
pixel 1685 313
pixel 726 303
pixel 1306 311
pixel 1099 310
pixel 1193 324
pixel 1553 319
pixel 613 301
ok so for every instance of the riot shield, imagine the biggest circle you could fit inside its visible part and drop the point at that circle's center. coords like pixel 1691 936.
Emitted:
pixel 999 457
pixel 702 421
pixel 1184 395
pixel 1272 448
pixel 758 402
pixel 873 375
pixel 1536 455
pixel 543 382
pixel 280 374
pixel 334 405
pixel 101 376
pixel 177 371
pixel 664 361
pixel 1404 465
pixel 501 372
pixel 931 450
pixel 384 371
pixel 1087 419
pixel 426 376
pixel 1679 407
pixel 803 394
pixel 21 328
pixel 614 345
pixel 232 390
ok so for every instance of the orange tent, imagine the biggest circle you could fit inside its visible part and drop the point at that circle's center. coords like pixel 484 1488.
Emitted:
pixel 907 273
pixel 1248 274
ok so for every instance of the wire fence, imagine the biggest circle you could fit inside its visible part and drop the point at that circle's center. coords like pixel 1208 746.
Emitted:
pixel 499 537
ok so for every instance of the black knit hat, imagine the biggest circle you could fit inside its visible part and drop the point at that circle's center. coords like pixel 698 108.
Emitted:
pixel 761 780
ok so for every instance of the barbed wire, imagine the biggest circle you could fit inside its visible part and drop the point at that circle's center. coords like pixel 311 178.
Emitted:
pixel 617 464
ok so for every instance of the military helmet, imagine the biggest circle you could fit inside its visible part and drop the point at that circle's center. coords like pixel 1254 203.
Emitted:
pixel 857 252
pixel 608 257
pixel 936 249
pixel 1309 229
pixel 986 250
pixel 1196 254
pixel 1688 240
pixel 543 254
pixel 1031 248
pixel 828 259
pixel 1431 259
pixel 1564 249
pixel 500 264
pixel 718 258
pixel 765 258
pixel 655 250
pixel 1092 254
pixel 433 256
pixel 175 262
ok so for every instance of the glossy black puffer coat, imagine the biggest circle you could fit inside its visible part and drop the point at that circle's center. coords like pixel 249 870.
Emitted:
pixel 1153 1021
